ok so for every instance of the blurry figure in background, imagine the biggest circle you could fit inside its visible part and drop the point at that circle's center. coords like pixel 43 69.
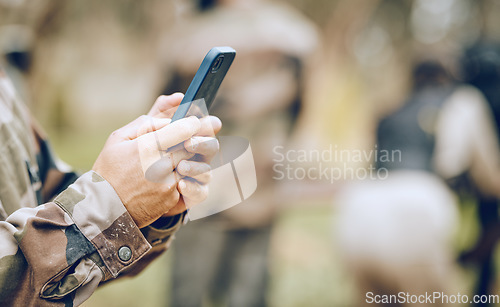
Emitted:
pixel 481 68
pixel 225 256
pixel 16 48
pixel 396 233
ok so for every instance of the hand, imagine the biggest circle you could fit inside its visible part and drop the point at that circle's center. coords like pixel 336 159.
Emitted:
pixel 129 149
pixel 192 160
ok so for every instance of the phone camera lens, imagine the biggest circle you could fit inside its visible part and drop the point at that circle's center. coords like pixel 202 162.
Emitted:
pixel 217 64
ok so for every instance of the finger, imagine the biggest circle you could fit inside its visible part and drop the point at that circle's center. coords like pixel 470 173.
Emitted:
pixel 199 171
pixel 204 146
pixel 165 106
pixel 152 124
pixel 210 126
pixel 192 192
pixel 179 156
pixel 177 209
pixel 161 172
pixel 130 130
pixel 158 165
pixel 170 135
pixel 140 126
pixel 216 123
pixel 152 145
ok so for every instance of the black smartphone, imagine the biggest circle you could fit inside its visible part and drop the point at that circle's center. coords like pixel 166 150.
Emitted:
pixel 207 80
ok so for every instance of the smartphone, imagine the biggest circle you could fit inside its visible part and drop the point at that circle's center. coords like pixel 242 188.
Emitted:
pixel 207 80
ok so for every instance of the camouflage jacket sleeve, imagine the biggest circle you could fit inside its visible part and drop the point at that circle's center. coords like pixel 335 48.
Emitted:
pixel 58 252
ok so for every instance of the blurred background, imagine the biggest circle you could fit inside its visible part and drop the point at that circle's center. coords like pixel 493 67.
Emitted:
pixel 308 75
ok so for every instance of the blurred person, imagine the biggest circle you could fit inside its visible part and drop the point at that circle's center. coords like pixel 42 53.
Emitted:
pixel 62 235
pixel 16 48
pixel 481 68
pixel 223 258
pixel 396 233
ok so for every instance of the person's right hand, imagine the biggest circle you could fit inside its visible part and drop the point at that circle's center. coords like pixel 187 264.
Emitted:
pixel 128 149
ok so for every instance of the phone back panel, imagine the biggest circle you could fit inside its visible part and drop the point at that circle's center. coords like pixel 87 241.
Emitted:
pixel 207 80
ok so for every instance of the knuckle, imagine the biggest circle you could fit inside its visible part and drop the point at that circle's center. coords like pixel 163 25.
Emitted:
pixel 171 196
pixel 171 189
pixel 175 196
pixel 187 188
pixel 161 103
pixel 117 133
pixel 203 195
pixel 143 118
pixel 187 128
pixel 208 175
pixel 184 167
pixel 166 189
pixel 211 145
pixel 203 170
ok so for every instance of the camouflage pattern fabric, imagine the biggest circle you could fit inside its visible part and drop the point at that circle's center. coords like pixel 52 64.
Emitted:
pixel 61 235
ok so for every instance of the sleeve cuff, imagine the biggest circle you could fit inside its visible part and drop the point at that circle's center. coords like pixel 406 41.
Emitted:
pixel 99 214
pixel 163 229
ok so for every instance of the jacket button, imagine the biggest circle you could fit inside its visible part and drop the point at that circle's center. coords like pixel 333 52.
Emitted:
pixel 125 253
